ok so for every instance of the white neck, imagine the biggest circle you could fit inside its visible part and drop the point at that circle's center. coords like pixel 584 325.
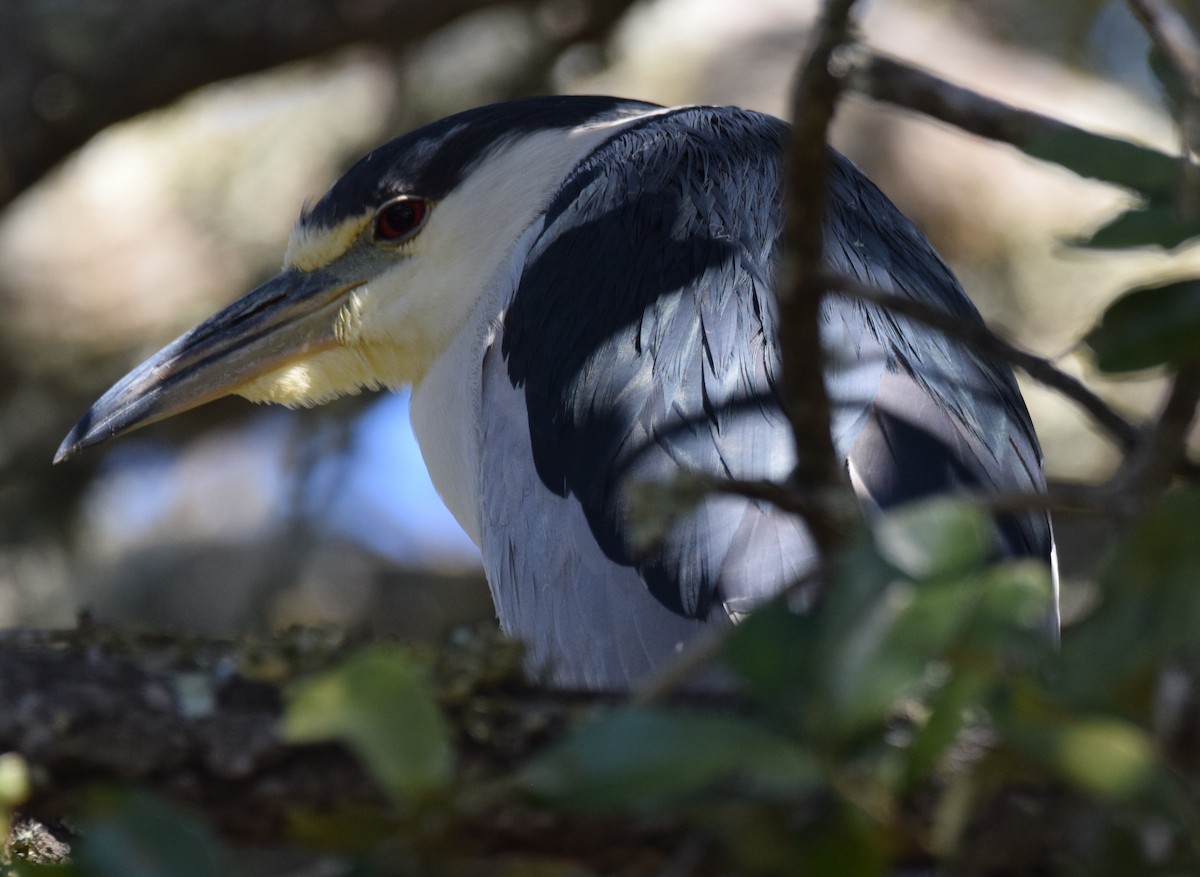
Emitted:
pixel 446 407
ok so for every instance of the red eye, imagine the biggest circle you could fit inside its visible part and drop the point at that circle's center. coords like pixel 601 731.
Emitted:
pixel 401 219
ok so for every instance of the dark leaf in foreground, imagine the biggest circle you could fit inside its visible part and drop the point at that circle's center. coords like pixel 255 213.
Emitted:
pixel 379 703
pixel 1149 327
pixel 642 760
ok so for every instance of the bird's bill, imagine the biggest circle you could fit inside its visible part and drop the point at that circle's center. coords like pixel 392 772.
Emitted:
pixel 290 317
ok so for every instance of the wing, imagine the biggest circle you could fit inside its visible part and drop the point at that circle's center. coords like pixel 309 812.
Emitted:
pixel 642 340
pixel 944 416
pixel 643 334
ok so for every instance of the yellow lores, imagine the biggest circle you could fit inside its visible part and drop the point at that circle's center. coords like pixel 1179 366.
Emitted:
pixel 310 249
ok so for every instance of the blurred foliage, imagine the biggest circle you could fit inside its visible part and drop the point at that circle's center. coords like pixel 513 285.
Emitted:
pixel 893 726
pixel 1148 327
pixel 382 707
pixel 1156 324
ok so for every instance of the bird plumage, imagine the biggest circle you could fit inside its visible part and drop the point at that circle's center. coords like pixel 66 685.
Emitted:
pixel 643 336
pixel 590 306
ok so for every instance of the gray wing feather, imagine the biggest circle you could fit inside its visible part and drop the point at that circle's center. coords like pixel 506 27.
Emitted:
pixel 586 620
pixel 944 416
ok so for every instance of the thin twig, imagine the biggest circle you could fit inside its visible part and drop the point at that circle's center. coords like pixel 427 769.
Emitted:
pixel 1149 470
pixel 800 289
pixel 979 336
pixel 1105 158
pixel 1170 32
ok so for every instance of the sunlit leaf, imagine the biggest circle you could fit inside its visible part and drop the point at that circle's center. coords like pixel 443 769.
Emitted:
pixel 1149 327
pixel 934 537
pixel 644 760
pixel 135 835
pixel 1159 225
pixel 1108 757
pixel 379 704
pixel 15 783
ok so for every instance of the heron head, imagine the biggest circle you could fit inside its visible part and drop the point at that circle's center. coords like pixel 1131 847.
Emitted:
pixel 381 273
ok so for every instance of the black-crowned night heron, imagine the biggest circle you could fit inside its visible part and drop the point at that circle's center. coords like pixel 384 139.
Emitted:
pixel 579 290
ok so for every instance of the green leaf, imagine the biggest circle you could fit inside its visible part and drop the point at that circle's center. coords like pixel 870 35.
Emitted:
pixel 645 760
pixel 948 710
pixel 1108 757
pixel 1110 159
pixel 773 652
pixel 935 537
pixel 1160 557
pixel 1149 327
pixel 20 868
pixel 15 784
pixel 1159 225
pixel 136 835
pixel 845 842
pixel 1148 613
pixel 885 658
pixel 1018 600
pixel 378 703
pixel 912 629
pixel 876 637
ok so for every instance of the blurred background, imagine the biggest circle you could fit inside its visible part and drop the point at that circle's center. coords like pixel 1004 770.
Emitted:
pixel 234 518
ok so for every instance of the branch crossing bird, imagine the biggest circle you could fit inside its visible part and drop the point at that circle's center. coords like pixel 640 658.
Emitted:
pixel 580 292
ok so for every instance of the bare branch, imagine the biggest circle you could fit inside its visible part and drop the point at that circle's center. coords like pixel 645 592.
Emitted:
pixel 1174 38
pixel 800 288
pixel 891 81
pixel 1126 434
pixel 1163 453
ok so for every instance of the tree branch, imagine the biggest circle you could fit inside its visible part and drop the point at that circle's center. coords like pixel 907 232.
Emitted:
pixel 171 716
pixel 1126 434
pixel 1163 453
pixel 1170 32
pixel 70 69
pixel 800 288
pixel 1086 153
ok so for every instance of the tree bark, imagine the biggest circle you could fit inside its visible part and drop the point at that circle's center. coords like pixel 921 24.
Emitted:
pixel 174 717
pixel 70 68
